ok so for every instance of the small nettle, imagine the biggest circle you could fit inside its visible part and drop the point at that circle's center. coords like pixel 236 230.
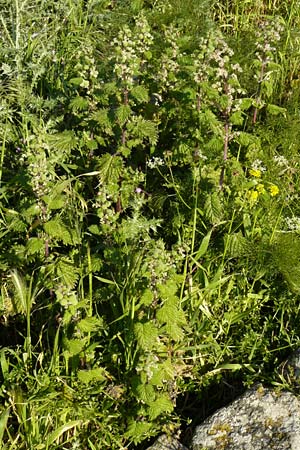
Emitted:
pixel 131 51
pixel 169 66
pixel 268 35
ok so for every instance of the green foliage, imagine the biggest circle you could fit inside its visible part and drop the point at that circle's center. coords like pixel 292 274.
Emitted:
pixel 149 211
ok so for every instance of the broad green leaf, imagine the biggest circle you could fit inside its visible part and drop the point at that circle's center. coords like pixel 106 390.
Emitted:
pixel 3 422
pixel 146 334
pixel 79 103
pixel 64 141
pixel 89 324
pixel 34 245
pixel 67 273
pixel 74 346
pixel 276 110
pixel 137 431
pixel 161 405
pixel 123 113
pixel 140 93
pixel 55 228
pixel 96 374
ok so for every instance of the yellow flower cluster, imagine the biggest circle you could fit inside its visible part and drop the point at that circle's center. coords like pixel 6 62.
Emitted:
pixel 255 173
pixel 254 194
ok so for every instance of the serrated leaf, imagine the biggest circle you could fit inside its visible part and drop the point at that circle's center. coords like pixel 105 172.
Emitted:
pixel 162 372
pixel 213 208
pixel 101 117
pixel 95 229
pixel 89 324
pixel 55 228
pixel 66 272
pixel 140 93
pixel 96 374
pixel 161 405
pixel 79 103
pixel 34 245
pixel 123 113
pixel 137 431
pixel 110 168
pixel 55 202
pixel 276 110
pixel 175 332
pixel 235 244
pixel 245 104
pixel 143 129
pixel 237 118
pixel 144 392
pixel 146 334
pixel 76 81
pixel 74 346
pixel 64 141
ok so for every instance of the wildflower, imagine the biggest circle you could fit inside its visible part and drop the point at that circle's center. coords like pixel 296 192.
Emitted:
pixel 253 196
pixel 281 161
pixel 274 190
pixel 255 173
pixel 258 165
pixel 260 188
pixel 154 162
pixel 293 223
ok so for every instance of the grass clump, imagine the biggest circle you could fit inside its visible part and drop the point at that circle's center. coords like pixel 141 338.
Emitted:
pixel 149 212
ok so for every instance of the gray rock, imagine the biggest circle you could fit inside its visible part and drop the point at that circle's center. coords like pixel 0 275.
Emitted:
pixel 166 443
pixel 261 419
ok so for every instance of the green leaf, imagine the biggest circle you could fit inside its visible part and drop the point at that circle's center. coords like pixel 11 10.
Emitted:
pixel 144 392
pixel 55 228
pixel 138 431
pixel 79 103
pixel 162 372
pixel 89 324
pixel 34 245
pixel 237 118
pixel 203 246
pixel 97 374
pixel 213 208
pixel 66 272
pixel 55 202
pixel 56 434
pixel 275 110
pixel 64 141
pixel 140 93
pixel 102 118
pixel 3 423
pixel 162 405
pixel 123 113
pixel 76 81
pixel 146 334
pixel 74 346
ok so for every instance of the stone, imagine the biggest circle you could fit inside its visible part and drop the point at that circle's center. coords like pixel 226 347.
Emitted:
pixel 260 419
pixel 167 443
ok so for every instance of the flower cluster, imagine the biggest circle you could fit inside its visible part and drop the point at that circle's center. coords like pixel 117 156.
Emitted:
pixel 169 65
pixel 131 50
pixel 260 188
pixel 154 162
pixel 267 35
pixel 281 161
pixel 257 168
pixel 213 63
pixel 293 223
